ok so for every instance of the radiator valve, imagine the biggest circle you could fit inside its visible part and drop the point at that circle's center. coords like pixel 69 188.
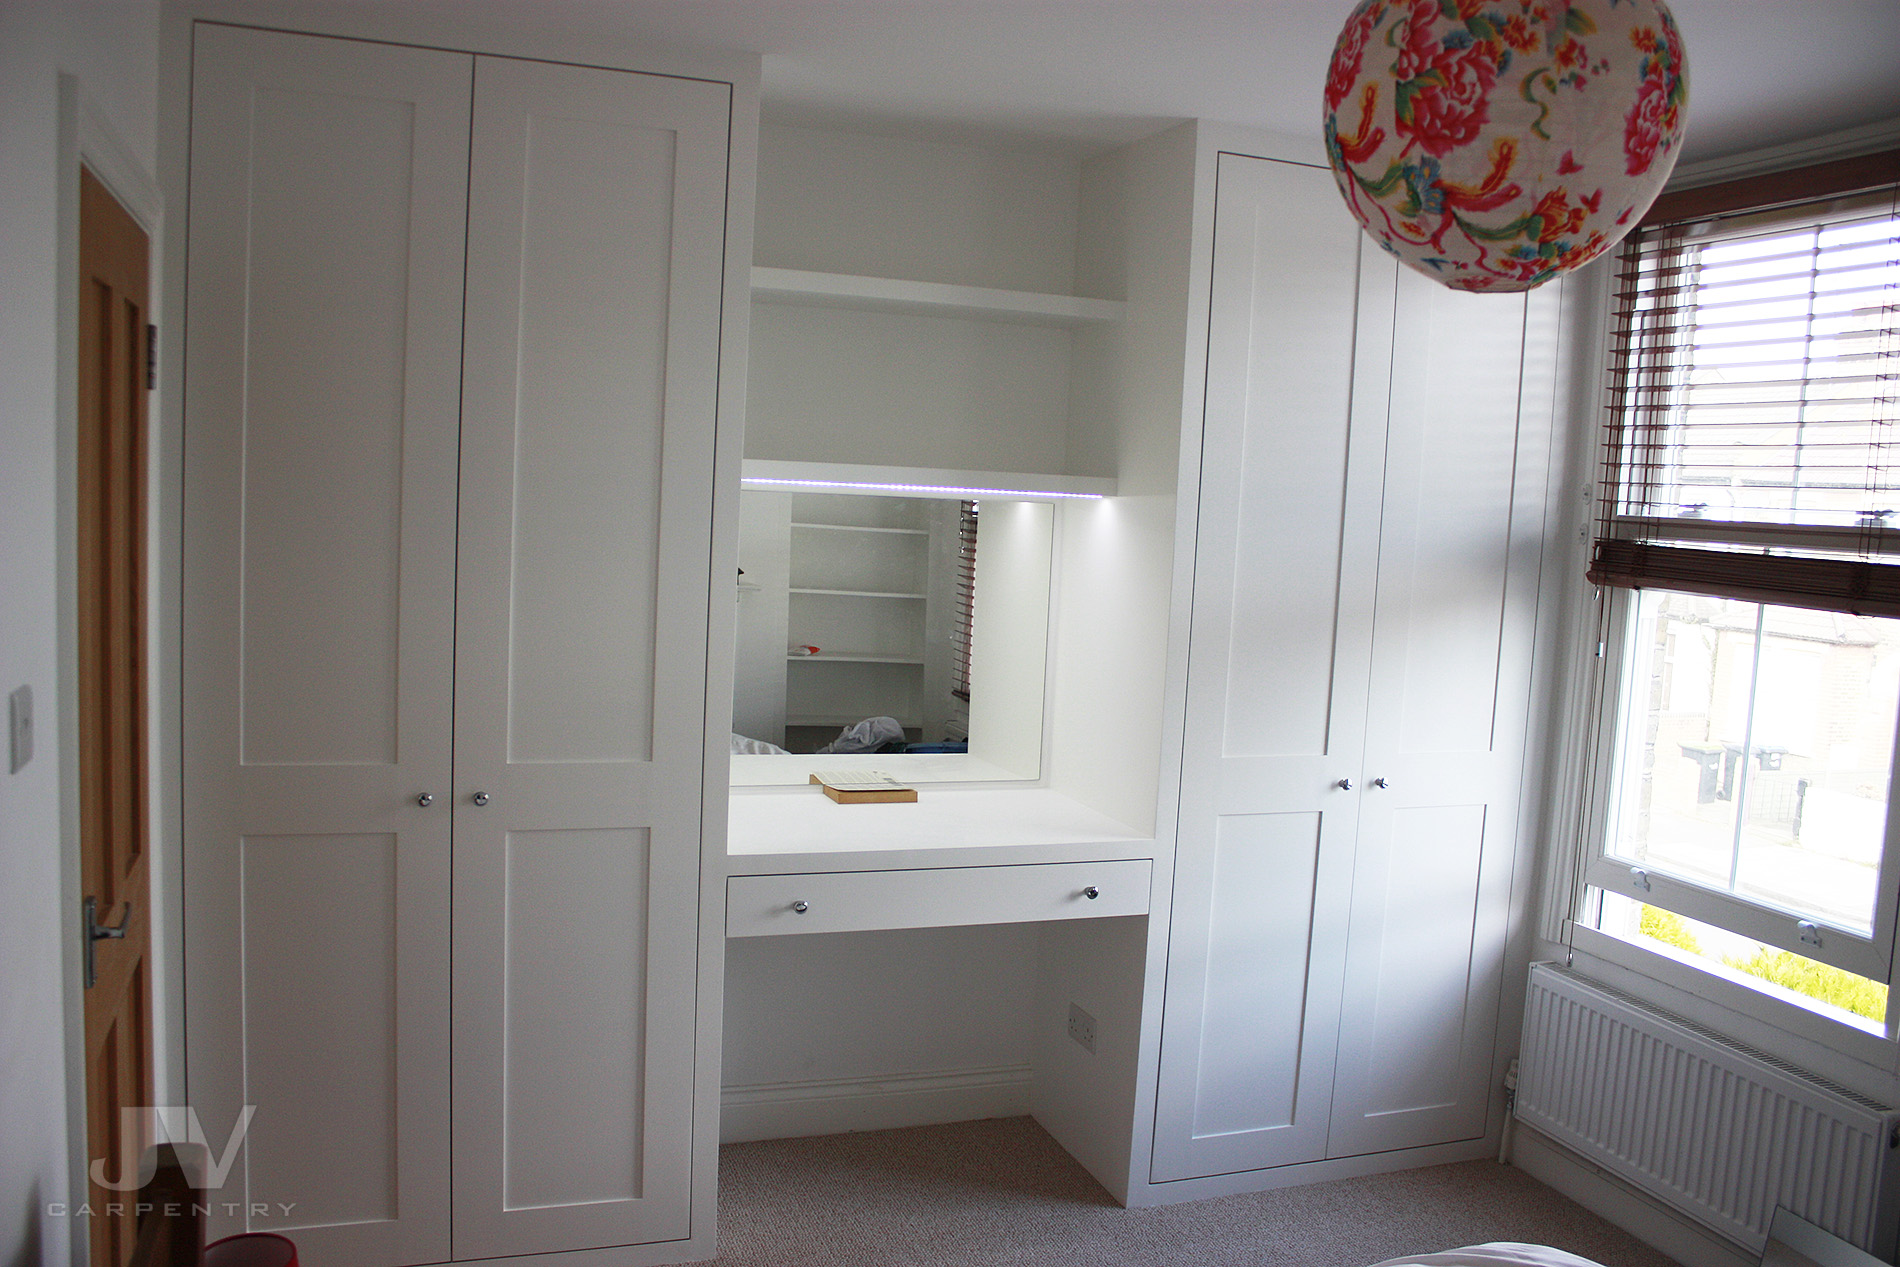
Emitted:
pixel 1510 1113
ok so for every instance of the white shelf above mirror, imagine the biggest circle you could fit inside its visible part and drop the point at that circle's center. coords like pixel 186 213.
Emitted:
pixel 891 294
pixel 914 481
pixel 895 532
pixel 849 657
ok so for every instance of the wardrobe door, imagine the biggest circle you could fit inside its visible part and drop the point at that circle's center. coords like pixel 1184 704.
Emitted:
pixel 1286 552
pixel 327 203
pixel 1458 571
pixel 596 228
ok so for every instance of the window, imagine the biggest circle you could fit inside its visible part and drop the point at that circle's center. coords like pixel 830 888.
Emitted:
pixel 1748 554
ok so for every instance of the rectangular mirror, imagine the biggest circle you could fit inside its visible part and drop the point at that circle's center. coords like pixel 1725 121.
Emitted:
pixel 900 633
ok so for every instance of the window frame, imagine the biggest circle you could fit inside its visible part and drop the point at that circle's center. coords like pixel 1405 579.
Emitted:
pixel 1608 629
pixel 1868 955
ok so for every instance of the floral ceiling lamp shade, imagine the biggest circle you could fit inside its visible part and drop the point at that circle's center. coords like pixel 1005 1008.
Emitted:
pixel 1493 144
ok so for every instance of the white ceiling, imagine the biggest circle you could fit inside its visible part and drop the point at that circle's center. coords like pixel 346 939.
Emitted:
pixel 1088 74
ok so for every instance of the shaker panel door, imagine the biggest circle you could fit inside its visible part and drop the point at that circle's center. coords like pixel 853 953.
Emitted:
pixel 323 360
pixel 596 227
pixel 1286 556
pixel 1448 711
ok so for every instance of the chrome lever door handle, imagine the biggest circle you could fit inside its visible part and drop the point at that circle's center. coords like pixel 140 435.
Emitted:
pixel 95 932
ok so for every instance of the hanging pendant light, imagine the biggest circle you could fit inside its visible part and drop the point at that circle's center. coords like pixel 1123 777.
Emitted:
pixel 1493 144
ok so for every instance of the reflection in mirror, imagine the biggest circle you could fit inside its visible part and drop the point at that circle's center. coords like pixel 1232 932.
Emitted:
pixel 902 633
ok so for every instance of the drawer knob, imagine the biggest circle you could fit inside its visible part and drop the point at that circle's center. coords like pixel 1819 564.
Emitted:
pixel 1091 893
pixel 801 907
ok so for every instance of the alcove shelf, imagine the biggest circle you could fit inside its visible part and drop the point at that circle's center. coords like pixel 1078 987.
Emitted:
pixel 915 481
pixel 835 593
pixel 890 294
pixel 900 532
pixel 850 657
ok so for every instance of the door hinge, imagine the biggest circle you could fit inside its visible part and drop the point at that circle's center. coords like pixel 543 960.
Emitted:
pixel 151 357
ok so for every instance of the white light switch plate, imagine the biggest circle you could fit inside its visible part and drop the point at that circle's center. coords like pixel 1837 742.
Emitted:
pixel 20 726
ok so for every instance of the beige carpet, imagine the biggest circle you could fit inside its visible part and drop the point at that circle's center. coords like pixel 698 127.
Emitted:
pixel 1003 1192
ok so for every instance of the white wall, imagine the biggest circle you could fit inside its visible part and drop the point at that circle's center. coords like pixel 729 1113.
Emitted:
pixel 1118 555
pixel 758 678
pixel 844 202
pixel 1014 541
pixel 826 384
pixel 847 1005
pixel 112 46
pixel 843 1031
pixel 1110 730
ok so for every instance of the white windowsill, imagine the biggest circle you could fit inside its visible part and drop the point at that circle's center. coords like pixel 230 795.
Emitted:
pixel 1808 1039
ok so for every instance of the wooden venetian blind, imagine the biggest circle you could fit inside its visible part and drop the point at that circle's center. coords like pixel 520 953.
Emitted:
pixel 1754 443
pixel 964 626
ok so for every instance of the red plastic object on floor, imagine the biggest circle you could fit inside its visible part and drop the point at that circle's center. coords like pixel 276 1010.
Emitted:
pixel 251 1249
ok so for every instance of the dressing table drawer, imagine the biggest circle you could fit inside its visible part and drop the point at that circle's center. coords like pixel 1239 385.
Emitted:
pixel 849 901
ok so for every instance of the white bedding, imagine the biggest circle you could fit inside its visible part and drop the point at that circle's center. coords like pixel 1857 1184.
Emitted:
pixel 1495 1254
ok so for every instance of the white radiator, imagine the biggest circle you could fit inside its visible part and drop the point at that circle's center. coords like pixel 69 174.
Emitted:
pixel 1721 1133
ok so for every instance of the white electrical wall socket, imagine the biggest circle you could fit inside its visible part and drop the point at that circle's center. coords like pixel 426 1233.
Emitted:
pixel 20 727
pixel 1082 1028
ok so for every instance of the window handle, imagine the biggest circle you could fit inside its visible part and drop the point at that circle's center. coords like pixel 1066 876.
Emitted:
pixel 1810 932
pixel 1639 879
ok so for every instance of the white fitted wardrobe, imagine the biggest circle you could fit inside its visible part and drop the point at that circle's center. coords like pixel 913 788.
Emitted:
pixel 452 379
pixel 1370 526
pixel 539 974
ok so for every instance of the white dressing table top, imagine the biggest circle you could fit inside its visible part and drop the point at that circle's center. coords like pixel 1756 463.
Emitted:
pixel 779 830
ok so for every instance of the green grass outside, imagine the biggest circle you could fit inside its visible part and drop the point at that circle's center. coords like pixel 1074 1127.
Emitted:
pixel 1784 968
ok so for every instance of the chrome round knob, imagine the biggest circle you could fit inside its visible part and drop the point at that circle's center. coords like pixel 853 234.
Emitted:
pixel 1381 784
pixel 1344 785
pixel 480 798
pixel 801 907
pixel 1091 893
pixel 425 800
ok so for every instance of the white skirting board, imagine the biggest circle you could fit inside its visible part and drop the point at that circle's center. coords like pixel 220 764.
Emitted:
pixel 1604 1194
pixel 831 1106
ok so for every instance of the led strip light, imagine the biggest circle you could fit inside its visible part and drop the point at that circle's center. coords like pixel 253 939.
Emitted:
pixel 941 490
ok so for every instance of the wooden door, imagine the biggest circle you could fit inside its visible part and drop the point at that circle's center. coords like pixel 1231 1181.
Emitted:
pixel 113 808
pixel 596 232
pixel 1459 550
pixel 323 360
pixel 1285 566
